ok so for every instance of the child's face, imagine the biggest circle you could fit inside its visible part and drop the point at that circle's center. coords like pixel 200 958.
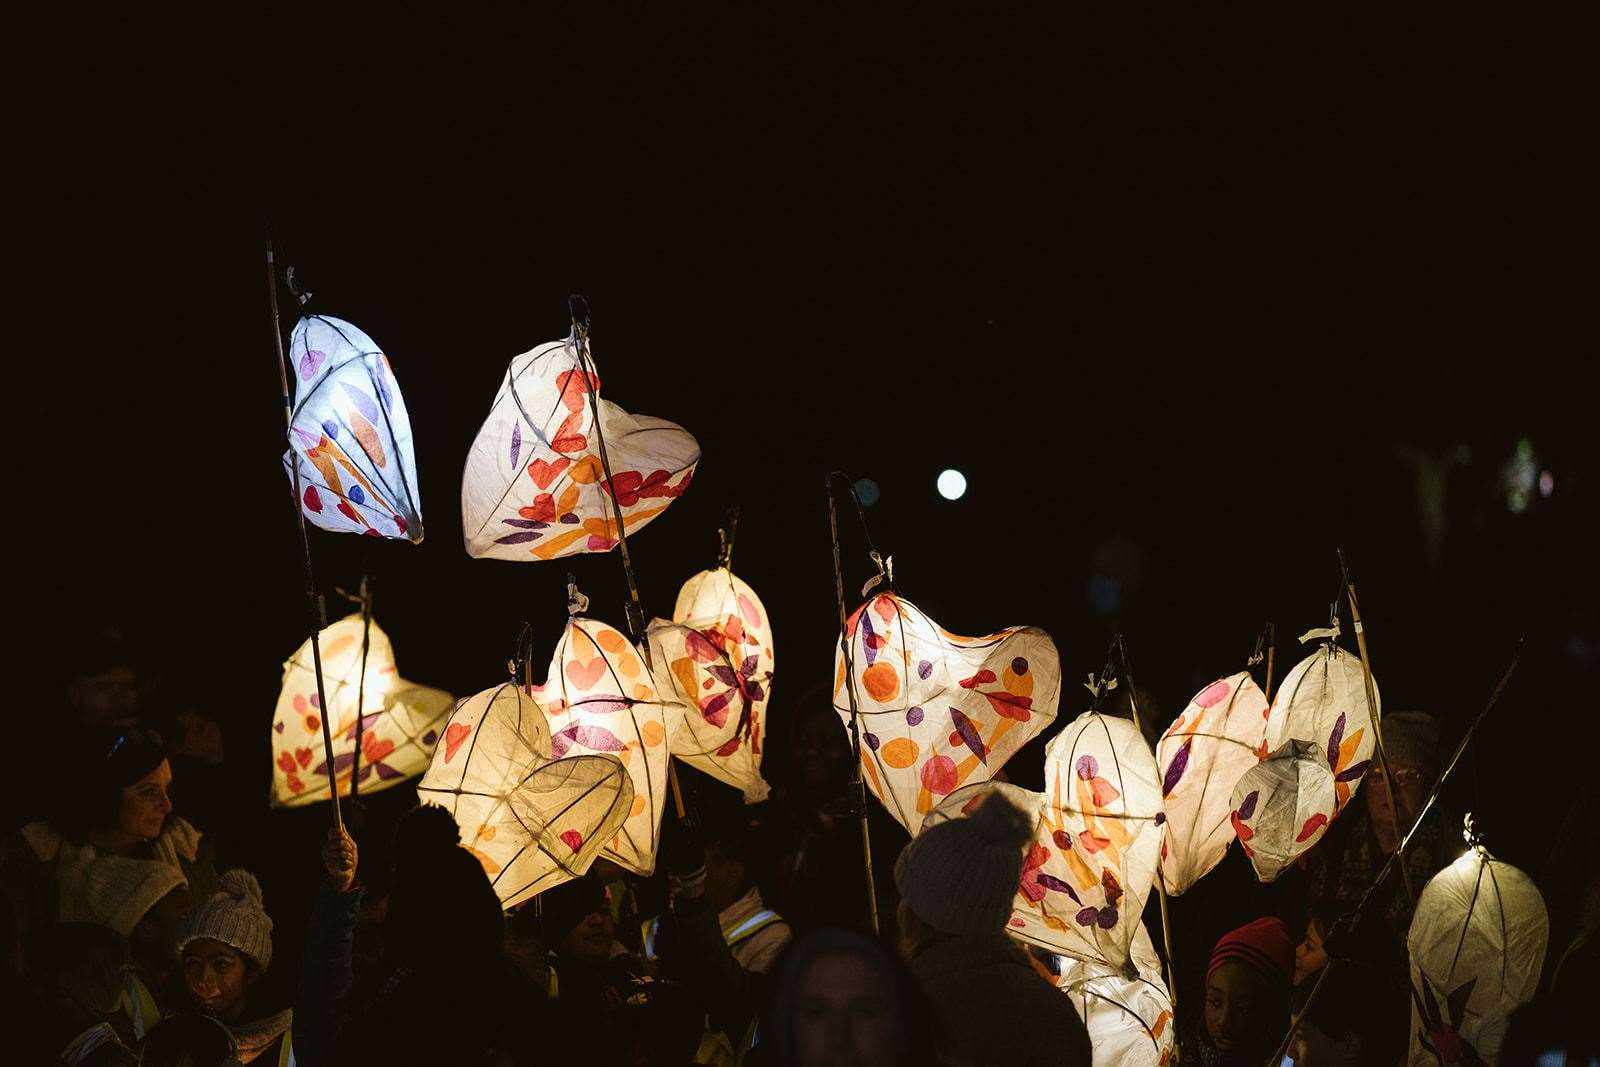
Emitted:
pixel 1237 1013
pixel 1309 957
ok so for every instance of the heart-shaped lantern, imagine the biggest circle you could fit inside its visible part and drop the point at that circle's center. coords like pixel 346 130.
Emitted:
pixel 534 487
pixel 400 722
pixel 1282 807
pixel 1201 757
pixel 532 820
pixel 715 659
pixel 939 711
pixel 600 699
pixel 350 434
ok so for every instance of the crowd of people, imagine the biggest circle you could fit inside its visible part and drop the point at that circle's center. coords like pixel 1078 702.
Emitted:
pixel 134 936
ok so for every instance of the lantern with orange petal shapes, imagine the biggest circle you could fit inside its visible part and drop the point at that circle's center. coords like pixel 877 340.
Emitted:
pixel 350 434
pixel 938 710
pixel 1323 700
pixel 533 821
pixel 1129 1020
pixel 400 721
pixel 534 489
pixel 1201 757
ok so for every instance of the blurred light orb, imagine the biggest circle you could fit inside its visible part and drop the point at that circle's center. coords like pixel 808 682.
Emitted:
pixel 867 492
pixel 952 484
pixel 1547 483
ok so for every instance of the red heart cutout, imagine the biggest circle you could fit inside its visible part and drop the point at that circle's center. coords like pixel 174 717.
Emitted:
pixel 454 734
pixel 303 757
pixel 572 839
pixel 543 509
pixel 544 473
pixel 584 675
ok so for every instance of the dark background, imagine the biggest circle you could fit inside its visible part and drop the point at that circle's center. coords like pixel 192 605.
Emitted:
pixel 1191 303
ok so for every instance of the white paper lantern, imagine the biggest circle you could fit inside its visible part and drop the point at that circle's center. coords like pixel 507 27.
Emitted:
pixel 1324 700
pixel 350 434
pixel 1477 945
pixel 534 487
pixel 1129 1020
pixel 532 820
pixel 1201 757
pixel 1282 806
pixel 938 710
pixel 400 721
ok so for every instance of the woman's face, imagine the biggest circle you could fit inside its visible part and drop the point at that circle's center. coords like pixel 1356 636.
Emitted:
pixel 1393 800
pixel 1309 956
pixel 1236 1010
pixel 217 976
pixel 843 1016
pixel 145 806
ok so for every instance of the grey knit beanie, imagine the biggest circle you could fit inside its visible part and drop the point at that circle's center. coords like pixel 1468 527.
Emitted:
pixel 1411 740
pixel 234 916
pixel 960 876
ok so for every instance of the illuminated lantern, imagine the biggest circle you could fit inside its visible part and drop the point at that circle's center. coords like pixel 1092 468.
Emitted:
pixel 1282 807
pixel 534 487
pixel 939 711
pixel 1102 802
pixel 1324 700
pixel 1201 757
pixel 715 657
pixel 531 820
pixel 599 699
pixel 350 434
pixel 1477 945
pixel 1129 1019
pixel 400 722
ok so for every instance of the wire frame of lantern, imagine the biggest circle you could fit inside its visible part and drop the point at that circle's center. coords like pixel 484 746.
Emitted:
pixel 534 487
pixel 939 710
pixel 350 434
pixel 533 821
pixel 1281 807
pixel 1477 944
pixel 1130 1020
pixel 599 698
pixel 1201 757
pixel 1324 700
pixel 723 608
pixel 400 721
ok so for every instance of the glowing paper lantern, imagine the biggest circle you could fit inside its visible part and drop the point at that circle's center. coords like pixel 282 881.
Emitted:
pixel 598 698
pixel 400 722
pixel 1201 757
pixel 1102 800
pixel 939 711
pixel 350 434
pixel 1477 945
pixel 532 821
pixel 1282 806
pixel 715 657
pixel 1324 700
pixel 534 488
pixel 1129 1019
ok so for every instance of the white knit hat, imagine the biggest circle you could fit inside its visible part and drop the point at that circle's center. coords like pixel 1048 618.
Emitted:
pixel 113 891
pixel 960 876
pixel 234 916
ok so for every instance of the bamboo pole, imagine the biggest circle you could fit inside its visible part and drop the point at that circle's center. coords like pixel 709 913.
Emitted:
pixel 1161 878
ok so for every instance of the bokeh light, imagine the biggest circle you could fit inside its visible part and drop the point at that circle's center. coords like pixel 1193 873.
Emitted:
pixel 952 484
pixel 867 492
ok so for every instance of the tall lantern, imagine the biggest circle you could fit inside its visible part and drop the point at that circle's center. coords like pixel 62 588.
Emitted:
pixel 1324 700
pixel 938 710
pixel 351 434
pixel 1129 1020
pixel 532 820
pixel 717 654
pixel 400 721
pixel 534 488
pixel 1201 757
pixel 1477 944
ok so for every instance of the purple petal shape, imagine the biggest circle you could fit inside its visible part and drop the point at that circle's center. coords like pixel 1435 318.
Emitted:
pixel 519 538
pixel 526 524
pixel 1087 916
pixel 1019 666
pixel 362 402
pixel 381 380
pixel 516 443
pixel 430 737
pixel 278 726
pixel 1050 881
pixel 1176 768
pixel 871 739
pixel 1248 808
pixel 1088 767
pixel 969 734
pixel 570 518
pixel 311 362
pixel 330 428
pixel 924 669
pixel 1108 918
pixel 1161 817
pixel 1352 772
pixel 388 773
pixel 868 647
pixel 723 674
pixel 913 716
pixel 1333 743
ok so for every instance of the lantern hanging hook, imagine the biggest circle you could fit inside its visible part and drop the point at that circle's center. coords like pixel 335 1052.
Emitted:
pixel 301 294
pixel 577 603
pixel 521 655
pixel 725 536
pixel 1470 834
pixel 578 308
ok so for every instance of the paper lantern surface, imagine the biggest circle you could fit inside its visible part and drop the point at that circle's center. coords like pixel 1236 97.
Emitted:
pixel 350 434
pixel 1477 943
pixel 1129 1020
pixel 938 710
pixel 1324 700
pixel 716 658
pixel 599 698
pixel 1282 806
pixel 1201 757
pixel 534 487
pixel 400 721
pixel 533 821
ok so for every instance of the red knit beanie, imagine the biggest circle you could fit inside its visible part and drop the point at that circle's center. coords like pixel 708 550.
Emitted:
pixel 1263 946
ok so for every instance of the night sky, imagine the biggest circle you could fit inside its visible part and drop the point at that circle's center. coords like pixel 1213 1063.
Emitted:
pixel 1189 305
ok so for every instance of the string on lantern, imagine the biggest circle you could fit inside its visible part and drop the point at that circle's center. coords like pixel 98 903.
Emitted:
pixel 313 607
pixel 858 786
pixel 1349 921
